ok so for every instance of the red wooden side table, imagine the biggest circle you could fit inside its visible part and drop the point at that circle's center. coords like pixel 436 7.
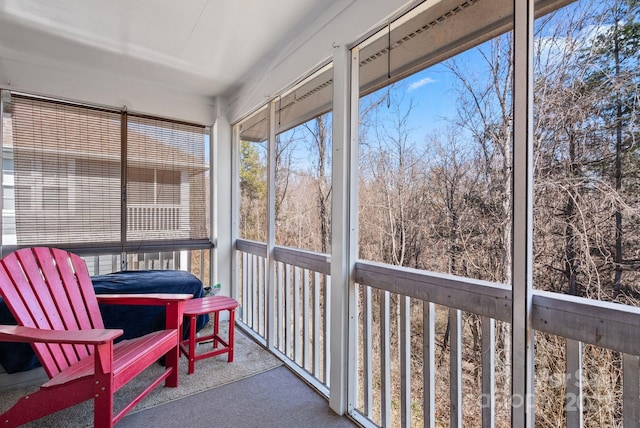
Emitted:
pixel 208 305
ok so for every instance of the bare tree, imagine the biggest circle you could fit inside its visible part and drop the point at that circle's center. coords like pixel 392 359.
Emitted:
pixel 484 110
pixel 321 145
pixel 611 66
pixel 393 169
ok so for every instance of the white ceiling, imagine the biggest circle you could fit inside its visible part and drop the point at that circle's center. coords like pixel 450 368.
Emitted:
pixel 196 46
pixel 174 57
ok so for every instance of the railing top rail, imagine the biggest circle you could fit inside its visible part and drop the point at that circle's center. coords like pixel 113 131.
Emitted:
pixel 317 262
pixel 606 324
pixel 154 205
pixel 252 247
pixel 479 297
pixel 314 261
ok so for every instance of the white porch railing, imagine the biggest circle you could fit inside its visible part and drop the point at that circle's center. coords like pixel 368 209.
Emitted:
pixel 301 311
pixel 193 261
pixel 153 217
pixel 399 376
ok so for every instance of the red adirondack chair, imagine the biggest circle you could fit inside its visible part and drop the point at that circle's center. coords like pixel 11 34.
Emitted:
pixel 49 292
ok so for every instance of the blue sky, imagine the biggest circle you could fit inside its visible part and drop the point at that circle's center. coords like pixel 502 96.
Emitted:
pixel 434 97
pixel 433 93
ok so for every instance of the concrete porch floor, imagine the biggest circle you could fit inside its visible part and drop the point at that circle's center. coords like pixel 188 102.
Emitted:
pixel 275 398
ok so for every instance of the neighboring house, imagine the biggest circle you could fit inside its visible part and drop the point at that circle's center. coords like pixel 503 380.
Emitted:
pixel 62 183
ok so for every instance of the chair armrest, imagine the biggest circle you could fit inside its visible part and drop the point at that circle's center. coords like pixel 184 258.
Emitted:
pixel 16 333
pixel 142 299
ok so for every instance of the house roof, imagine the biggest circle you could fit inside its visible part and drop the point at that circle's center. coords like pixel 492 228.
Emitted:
pixel 95 135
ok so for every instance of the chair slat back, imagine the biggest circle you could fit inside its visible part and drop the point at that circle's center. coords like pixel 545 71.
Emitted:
pixel 51 289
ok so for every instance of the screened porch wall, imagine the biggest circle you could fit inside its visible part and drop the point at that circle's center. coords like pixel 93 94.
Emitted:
pixel 497 314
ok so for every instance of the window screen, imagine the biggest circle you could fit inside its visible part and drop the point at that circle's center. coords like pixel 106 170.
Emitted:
pixel 167 177
pixel 66 172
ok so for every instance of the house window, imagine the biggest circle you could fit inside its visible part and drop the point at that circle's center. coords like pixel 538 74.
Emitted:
pixel 152 186
pixel 7 164
pixel 141 185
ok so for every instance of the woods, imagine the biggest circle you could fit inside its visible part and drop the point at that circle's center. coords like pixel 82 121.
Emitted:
pixel 435 193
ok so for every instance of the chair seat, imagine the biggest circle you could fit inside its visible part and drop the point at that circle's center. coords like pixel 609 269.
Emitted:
pixel 130 357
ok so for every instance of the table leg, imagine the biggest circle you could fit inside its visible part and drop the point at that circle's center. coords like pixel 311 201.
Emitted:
pixel 192 344
pixel 216 325
pixel 232 324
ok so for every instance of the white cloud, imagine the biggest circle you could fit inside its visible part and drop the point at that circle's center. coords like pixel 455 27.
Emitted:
pixel 415 85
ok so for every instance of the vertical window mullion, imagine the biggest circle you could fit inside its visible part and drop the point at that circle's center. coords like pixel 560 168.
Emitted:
pixel 123 187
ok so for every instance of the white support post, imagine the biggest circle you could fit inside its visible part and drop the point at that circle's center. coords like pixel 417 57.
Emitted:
pixel 233 221
pixel 271 226
pixel 522 392
pixel 343 229
pixel 353 68
pixel 221 170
